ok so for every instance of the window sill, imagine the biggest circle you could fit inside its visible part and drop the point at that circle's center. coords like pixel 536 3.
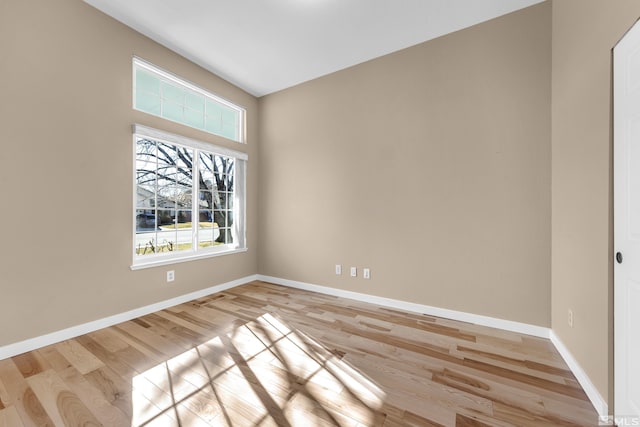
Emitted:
pixel 160 261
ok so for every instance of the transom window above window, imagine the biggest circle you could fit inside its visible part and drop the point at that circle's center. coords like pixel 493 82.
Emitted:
pixel 188 198
pixel 162 94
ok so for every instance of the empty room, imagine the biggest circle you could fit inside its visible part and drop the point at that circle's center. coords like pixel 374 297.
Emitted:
pixel 319 213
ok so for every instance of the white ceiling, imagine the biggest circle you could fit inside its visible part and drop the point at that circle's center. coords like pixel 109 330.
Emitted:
pixel 264 46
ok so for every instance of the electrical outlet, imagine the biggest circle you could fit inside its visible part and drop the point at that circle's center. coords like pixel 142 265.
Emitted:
pixel 570 318
pixel 338 269
pixel 354 271
pixel 171 276
pixel 366 273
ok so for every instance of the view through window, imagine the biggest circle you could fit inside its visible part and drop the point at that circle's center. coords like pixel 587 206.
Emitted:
pixel 186 198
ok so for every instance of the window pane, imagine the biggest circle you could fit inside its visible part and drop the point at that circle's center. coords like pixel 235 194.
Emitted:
pixel 215 200
pixel 229 131
pixel 145 220
pixel 173 111
pixel 193 118
pixel 145 232
pixel 184 246
pixel 166 175
pixel 205 199
pixel 206 218
pixel 221 201
pixel 145 153
pixel 195 101
pixel 229 116
pixel 206 170
pixel 208 179
pixel 213 125
pixel 184 231
pixel 222 183
pixel 225 236
pixel 145 196
pixel 227 166
pixel 208 231
pixel 147 82
pixel 166 241
pixel 183 157
pixel 184 164
pixel 148 103
pixel 208 243
pixel 184 178
pixel 167 154
pixel 214 109
pixel 146 174
pixel 182 197
pixel 229 200
pixel 166 197
pixel 183 219
pixel 220 218
pixel 173 93
pixel 145 244
pixel 166 219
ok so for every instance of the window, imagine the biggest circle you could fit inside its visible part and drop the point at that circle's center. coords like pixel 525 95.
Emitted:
pixel 189 198
pixel 162 94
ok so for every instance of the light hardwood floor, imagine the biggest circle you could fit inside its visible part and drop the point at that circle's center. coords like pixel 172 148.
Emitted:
pixel 267 355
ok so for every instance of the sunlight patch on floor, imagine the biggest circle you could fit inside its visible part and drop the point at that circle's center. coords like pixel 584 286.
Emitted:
pixel 263 372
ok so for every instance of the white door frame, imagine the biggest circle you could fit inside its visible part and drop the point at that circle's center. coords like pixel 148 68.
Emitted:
pixel 626 199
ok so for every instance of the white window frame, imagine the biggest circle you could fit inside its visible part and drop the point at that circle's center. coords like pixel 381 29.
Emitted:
pixel 239 210
pixel 178 81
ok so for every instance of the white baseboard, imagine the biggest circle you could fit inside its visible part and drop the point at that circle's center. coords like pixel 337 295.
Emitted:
pixel 508 325
pixel 594 395
pixel 14 349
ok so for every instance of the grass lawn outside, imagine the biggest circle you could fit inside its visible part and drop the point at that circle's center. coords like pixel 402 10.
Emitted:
pixel 174 248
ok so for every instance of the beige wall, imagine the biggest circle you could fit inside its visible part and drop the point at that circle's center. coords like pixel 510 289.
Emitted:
pixel 584 32
pixel 66 175
pixel 431 166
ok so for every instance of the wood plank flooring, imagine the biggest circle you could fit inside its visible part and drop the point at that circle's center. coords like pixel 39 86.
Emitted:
pixel 267 355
